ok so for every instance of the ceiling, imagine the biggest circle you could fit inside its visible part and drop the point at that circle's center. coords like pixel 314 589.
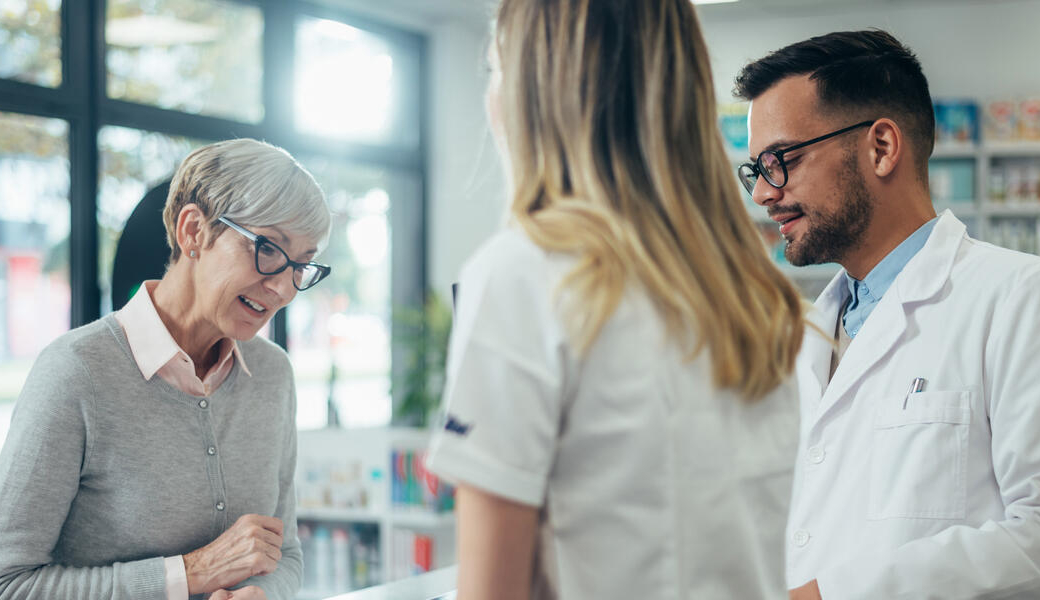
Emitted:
pixel 479 11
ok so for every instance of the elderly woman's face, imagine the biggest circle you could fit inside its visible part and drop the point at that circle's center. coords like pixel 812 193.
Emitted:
pixel 239 299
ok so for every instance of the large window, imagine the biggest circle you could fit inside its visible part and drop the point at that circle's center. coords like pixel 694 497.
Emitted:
pixel 101 99
pixel 34 246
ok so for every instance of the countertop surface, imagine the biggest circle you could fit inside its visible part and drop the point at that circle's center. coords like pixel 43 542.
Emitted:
pixel 435 585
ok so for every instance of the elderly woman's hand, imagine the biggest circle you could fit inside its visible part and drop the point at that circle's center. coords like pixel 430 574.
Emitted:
pixel 250 592
pixel 252 546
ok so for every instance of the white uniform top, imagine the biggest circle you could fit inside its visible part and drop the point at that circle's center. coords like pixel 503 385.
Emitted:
pixel 940 499
pixel 652 484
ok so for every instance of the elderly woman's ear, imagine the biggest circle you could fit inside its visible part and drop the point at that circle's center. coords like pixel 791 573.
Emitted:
pixel 191 230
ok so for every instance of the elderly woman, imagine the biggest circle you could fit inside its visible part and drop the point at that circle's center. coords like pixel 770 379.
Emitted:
pixel 151 453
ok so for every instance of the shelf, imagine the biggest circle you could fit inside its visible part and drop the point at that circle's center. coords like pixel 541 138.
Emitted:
pixel 995 209
pixel 422 519
pixel 419 519
pixel 1019 148
pixel 328 513
pixel 966 209
pixel 953 151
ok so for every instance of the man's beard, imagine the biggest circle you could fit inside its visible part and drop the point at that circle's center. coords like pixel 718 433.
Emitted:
pixel 829 237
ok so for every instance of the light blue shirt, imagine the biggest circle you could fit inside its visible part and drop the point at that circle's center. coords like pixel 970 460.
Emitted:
pixel 864 295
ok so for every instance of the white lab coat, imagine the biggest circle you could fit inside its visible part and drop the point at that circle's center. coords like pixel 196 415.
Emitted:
pixel 940 499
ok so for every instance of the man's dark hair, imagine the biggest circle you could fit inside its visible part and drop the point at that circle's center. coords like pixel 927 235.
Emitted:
pixel 869 74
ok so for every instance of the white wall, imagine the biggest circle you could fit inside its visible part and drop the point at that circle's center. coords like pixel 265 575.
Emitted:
pixel 975 49
pixel 978 50
pixel 466 191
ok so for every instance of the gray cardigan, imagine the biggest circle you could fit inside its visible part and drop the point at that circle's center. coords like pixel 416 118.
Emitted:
pixel 104 473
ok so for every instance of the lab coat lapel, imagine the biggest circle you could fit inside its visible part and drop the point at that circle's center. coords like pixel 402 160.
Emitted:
pixel 923 277
pixel 814 359
pixel 879 334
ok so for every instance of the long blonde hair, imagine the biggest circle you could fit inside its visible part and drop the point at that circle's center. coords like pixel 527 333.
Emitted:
pixel 609 116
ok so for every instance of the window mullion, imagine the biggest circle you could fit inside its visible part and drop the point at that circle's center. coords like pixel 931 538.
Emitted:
pixel 83 56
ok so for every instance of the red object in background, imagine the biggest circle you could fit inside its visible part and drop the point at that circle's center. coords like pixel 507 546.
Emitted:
pixel 24 306
pixel 423 553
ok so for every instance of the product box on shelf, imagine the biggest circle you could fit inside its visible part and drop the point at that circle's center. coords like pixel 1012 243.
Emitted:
pixel 413 553
pixel 1029 119
pixel 1000 122
pixel 412 486
pixel 733 126
pixel 956 122
pixel 952 180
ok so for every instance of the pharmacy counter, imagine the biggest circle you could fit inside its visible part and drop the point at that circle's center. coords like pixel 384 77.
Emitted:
pixel 435 585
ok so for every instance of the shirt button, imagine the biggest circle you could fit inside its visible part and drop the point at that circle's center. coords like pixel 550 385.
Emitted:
pixel 220 505
pixel 816 455
pixel 801 538
pixel 203 403
pixel 211 450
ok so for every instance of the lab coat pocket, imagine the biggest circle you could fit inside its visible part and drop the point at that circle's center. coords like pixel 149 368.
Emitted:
pixel 919 456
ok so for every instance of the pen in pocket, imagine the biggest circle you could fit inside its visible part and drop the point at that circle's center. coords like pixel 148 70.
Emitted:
pixel 916 385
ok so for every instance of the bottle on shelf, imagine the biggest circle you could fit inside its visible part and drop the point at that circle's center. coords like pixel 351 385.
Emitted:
pixel 322 557
pixel 341 569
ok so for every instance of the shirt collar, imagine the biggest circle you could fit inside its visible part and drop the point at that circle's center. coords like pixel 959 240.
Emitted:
pixel 150 342
pixel 880 278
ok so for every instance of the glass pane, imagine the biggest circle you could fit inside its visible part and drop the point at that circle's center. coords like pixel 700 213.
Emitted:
pixel 34 246
pixel 339 331
pixel 132 162
pixel 30 35
pixel 197 56
pixel 350 84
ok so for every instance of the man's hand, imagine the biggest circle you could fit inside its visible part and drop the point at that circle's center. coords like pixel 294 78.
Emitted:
pixel 247 593
pixel 252 546
pixel 809 591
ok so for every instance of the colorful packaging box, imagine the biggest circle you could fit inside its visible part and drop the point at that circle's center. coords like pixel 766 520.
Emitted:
pixel 1000 122
pixel 956 122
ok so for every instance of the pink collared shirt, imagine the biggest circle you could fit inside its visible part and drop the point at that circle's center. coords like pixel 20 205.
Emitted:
pixel 157 353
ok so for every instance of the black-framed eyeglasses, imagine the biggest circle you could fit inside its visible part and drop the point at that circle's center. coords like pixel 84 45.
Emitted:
pixel 270 259
pixel 770 163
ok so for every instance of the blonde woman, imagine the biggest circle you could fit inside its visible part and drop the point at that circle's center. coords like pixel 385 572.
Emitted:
pixel 151 453
pixel 619 420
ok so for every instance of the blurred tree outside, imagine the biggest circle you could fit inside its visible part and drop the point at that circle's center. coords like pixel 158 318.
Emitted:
pixel 30 35
pixel 198 56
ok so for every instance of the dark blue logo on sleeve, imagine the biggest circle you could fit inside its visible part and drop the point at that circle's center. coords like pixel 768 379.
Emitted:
pixel 455 426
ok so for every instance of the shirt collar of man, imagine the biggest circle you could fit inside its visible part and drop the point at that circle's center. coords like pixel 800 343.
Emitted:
pixel 150 342
pixel 863 295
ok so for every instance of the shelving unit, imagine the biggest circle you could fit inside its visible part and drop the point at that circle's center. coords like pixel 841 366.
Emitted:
pixel 1003 206
pixel 344 481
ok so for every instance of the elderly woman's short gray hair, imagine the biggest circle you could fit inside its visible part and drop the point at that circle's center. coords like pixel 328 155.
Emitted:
pixel 251 183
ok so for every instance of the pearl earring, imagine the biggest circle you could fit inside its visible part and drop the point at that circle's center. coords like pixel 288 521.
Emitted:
pixel 192 254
